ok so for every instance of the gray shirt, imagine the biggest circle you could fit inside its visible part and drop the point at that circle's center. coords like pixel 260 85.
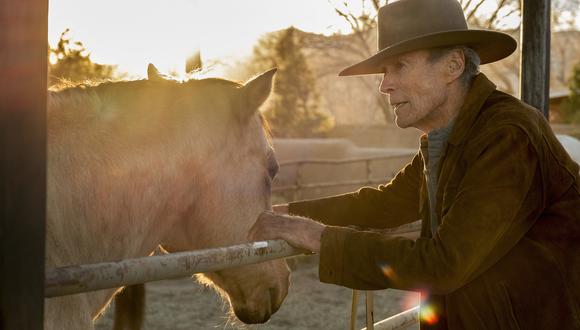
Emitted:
pixel 432 152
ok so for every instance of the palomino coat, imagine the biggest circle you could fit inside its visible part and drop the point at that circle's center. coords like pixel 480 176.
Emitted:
pixel 507 252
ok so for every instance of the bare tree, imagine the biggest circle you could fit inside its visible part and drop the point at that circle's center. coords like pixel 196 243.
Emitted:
pixel 564 13
pixel 564 55
pixel 72 62
pixel 491 19
pixel 362 23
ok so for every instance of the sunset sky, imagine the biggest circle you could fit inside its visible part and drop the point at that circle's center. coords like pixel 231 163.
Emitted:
pixel 132 33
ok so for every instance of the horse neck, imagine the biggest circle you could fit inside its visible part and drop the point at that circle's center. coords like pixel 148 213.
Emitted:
pixel 109 200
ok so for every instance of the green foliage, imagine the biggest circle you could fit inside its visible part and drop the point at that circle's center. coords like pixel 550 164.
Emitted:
pixel 293 109
pixel 72 63
pixel 571 107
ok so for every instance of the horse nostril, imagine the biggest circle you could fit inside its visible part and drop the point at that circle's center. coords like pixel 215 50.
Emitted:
pixel 251 316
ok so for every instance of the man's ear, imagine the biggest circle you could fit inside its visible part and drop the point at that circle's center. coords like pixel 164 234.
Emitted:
pixel 455 64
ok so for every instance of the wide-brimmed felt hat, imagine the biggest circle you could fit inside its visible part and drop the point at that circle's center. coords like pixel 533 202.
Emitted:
pixel 408 25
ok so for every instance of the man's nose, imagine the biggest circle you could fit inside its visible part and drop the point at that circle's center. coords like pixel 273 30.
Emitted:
pixel 386 85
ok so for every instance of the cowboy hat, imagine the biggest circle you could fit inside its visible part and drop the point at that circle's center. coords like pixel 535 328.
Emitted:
pixel 408 25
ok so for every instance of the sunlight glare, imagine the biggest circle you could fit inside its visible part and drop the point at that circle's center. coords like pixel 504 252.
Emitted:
pixel 410 300
pixel 133 33
pixel 427 314
pixel 389 272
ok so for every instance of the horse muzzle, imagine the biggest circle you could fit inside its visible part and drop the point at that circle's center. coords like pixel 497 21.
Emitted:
pixel 261 312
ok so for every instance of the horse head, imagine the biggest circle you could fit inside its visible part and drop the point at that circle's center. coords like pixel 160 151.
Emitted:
pixel 231 165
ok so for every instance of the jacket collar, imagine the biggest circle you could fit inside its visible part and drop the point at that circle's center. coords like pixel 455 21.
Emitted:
pixel 480 90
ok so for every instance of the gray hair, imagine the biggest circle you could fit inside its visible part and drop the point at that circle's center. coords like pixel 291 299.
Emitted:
pixel 472 61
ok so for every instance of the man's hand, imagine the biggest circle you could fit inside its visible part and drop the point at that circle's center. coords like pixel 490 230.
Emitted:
pixel 299 232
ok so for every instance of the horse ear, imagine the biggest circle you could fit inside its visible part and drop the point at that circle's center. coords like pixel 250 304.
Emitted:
pixel 153 74
pixel 257 90
pixel 193 63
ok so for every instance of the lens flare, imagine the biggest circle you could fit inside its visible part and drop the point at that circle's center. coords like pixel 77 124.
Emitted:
pixel 428 315
pixel 389 272
pixel 410 299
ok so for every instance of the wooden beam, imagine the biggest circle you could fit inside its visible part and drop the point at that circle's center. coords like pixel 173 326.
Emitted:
pixel 23 65
pixel 535 54
pixel 91 277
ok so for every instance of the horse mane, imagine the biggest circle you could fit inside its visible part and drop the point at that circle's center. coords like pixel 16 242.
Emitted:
pixel 67 89
pixel 92 99
pixel 98 96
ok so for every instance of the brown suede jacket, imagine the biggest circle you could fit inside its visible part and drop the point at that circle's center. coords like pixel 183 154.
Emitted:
pixel 507 252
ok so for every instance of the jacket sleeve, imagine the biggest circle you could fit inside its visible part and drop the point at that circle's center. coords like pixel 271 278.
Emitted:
pixel 389 205
pixel 496 203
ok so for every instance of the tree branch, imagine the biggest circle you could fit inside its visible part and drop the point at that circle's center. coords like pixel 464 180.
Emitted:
pixel 493 16
pixel 471 14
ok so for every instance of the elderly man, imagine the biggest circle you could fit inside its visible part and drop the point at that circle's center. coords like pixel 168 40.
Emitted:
pixel 497 193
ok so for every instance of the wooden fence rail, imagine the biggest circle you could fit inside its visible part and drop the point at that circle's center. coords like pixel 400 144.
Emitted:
pixel 84 278
pixel 299 185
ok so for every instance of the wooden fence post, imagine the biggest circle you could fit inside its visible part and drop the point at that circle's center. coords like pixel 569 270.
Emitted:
pixel 23 65
pixel 535 54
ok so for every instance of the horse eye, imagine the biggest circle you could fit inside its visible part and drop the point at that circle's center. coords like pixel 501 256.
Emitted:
pixel 272 165
pixel 273 168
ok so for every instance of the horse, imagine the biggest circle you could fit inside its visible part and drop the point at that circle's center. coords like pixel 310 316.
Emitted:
pixel 133 165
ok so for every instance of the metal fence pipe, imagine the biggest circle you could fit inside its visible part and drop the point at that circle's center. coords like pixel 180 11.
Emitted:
pixel 330 184
pixel 403 320
pixel 353 309
pixel 346 160
pixel 91 277
pixel 370 310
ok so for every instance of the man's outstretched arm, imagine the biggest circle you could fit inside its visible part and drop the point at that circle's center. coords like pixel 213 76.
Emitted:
pixel 390 205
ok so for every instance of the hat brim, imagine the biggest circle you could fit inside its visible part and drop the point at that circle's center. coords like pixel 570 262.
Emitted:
pixel 490 45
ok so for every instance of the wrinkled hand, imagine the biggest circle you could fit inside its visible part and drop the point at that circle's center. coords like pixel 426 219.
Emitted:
pixel 299 232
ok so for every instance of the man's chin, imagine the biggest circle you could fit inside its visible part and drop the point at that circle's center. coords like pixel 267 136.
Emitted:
pixel 400 123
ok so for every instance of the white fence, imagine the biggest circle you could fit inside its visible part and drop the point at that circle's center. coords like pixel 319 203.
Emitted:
pixel 299 183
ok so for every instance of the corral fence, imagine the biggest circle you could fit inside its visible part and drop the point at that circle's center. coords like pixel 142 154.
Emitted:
pixel 107 275
pixel 298 184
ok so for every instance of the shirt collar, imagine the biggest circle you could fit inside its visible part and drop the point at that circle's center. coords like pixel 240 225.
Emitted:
pixel 443 132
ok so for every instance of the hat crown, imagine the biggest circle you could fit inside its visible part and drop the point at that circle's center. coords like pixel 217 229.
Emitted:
pixel 410 19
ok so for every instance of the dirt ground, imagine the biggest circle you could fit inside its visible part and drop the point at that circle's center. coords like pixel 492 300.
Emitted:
pixel 185 304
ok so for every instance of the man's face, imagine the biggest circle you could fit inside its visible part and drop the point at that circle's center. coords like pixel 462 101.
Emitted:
pixel 417 89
